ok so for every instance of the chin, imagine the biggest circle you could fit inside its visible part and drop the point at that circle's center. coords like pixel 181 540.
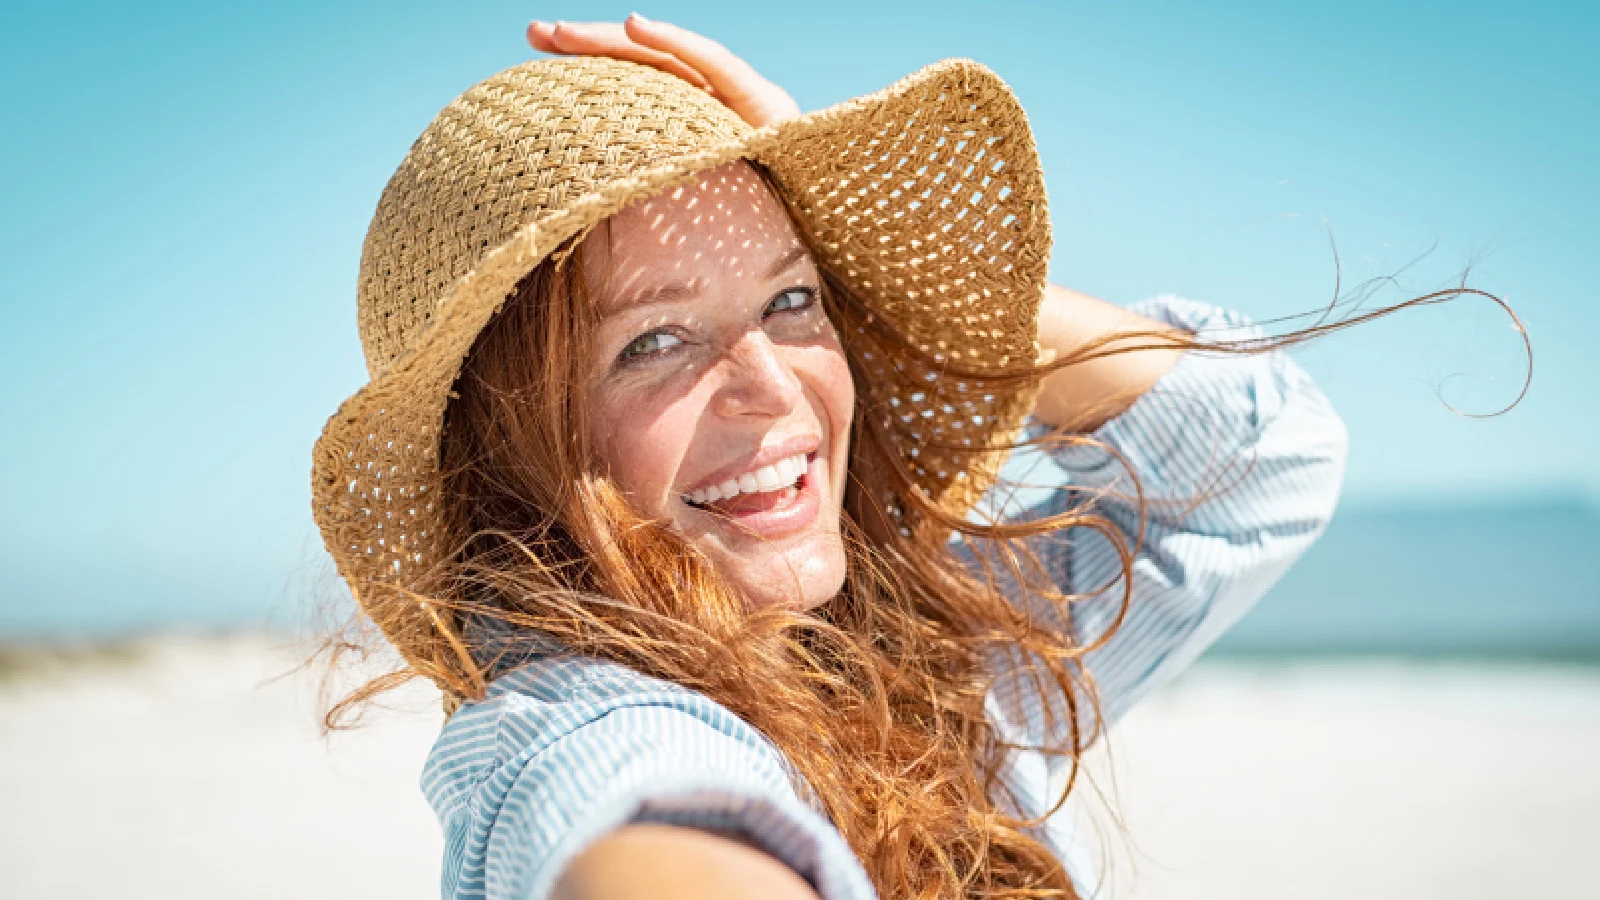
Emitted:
pixel 799 579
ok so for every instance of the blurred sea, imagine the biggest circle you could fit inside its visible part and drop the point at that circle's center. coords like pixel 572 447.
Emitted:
pixel 1468 580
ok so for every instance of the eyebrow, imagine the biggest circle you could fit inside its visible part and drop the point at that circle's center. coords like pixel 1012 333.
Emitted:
pixel 784 263
pixel 669 293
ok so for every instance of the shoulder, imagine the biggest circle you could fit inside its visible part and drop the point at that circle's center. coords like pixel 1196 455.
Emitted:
pixel 579 714
pixel 566 749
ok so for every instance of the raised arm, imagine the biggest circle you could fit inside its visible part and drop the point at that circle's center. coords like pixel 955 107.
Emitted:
pixel 1239 459
pixel 1241 455
pixel 1084 396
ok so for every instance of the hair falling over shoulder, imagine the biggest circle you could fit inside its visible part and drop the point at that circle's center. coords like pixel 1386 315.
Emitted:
pixel 876 698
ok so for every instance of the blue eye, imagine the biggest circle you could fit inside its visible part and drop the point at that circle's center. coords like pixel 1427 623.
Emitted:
pixel 792 300
pixel 650 344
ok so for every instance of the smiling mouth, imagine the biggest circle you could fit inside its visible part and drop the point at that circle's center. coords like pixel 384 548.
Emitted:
pixel 763 489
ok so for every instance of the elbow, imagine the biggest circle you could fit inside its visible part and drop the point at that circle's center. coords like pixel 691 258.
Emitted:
pixel 1291 485
pixel 1331 458
pixel 1337 463
pixel 1312 443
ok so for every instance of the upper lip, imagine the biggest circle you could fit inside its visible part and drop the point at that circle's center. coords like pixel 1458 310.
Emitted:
pixel 766 456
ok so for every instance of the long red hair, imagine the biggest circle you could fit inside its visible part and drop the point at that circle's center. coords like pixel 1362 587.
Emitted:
pixel 876 698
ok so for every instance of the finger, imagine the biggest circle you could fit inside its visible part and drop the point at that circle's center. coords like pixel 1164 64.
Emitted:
pixel 541 36
pixel 727 73
pixel 607 39
pixel 735 81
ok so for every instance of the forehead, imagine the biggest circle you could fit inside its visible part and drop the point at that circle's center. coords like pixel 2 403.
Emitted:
pixel 727 224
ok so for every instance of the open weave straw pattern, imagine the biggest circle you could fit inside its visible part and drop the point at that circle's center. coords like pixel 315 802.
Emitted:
pixel 926 197
pixel 508 154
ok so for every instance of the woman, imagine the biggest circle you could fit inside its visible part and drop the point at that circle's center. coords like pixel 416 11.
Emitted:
pixel 678 473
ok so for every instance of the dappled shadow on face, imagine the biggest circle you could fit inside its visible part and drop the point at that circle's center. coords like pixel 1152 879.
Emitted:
pixel 724 229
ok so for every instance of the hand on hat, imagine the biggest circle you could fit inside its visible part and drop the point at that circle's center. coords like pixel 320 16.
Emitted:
pixel 693 57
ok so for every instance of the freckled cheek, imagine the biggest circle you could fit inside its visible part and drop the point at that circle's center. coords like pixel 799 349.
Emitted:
pixel 843 394
pixel 640 448
pixel 835 390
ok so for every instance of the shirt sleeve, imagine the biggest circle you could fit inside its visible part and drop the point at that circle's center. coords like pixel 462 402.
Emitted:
pixel 1239 459
pixel 570 775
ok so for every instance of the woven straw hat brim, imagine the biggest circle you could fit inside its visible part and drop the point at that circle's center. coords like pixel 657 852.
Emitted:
pixel 927 197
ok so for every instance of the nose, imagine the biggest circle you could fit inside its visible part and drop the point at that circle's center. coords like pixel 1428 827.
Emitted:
pixel 758 381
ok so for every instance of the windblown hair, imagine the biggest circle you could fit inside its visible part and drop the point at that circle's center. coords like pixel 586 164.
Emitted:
pixel 876 698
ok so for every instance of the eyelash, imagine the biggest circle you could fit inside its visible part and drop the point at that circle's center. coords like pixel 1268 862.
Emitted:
pixel 810 301
pixel 626 358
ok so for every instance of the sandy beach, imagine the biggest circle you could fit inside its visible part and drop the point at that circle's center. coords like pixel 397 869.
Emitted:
pixel 192 767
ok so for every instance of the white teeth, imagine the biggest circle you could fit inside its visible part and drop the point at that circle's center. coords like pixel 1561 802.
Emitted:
pixel 792 468
pixel 767 478
pixel 778 476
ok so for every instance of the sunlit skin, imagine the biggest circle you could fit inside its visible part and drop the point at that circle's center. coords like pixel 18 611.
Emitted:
pixel 742 378
pixel 713 357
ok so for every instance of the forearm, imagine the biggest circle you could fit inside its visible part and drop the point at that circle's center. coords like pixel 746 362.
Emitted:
pixel 1086 395
pixel 1238 460
pixel 665 862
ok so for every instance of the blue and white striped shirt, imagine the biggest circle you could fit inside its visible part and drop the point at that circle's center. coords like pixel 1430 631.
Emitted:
pixel 1247 455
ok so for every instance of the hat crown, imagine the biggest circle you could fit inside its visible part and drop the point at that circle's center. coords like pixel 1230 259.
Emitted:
pixel 511 151
pixel 925 200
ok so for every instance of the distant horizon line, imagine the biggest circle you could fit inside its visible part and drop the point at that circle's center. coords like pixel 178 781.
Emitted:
pixel 1573 497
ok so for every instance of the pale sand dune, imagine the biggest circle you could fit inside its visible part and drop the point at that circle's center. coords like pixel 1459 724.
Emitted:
pixel 1361 780
pixel 193 774
pixel 187 772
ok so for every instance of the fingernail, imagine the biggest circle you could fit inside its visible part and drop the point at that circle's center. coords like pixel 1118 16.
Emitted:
pixel 634 15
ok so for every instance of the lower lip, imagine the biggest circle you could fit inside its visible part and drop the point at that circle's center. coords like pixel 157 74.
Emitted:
pixel 783 521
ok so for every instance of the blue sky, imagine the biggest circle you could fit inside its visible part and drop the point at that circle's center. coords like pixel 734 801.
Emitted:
pixel 188 184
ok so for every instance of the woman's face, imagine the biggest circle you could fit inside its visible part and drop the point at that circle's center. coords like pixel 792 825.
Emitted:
pixel 719 397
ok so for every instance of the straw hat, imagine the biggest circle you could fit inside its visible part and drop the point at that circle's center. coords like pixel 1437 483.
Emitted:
pixel 927 197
